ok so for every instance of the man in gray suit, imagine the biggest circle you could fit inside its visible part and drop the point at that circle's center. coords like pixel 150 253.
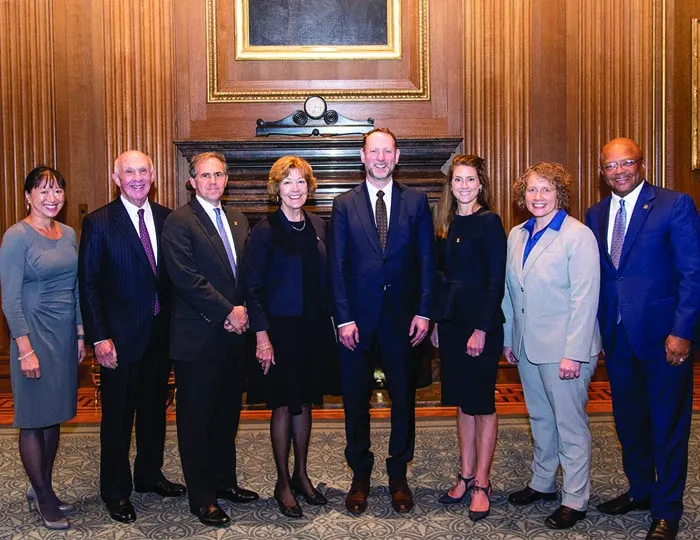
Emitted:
pixel 551 333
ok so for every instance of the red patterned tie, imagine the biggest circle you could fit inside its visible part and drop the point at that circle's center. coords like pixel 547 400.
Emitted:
pixel 148 248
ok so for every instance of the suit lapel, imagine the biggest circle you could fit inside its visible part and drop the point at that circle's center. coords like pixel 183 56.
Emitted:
pixel 539 248
pixel 518 254
pixel 397 206
pixel 645 203
pixel 158 220
pixel 238 238
pixel 603 219
pixel 211 232
pixel 125 226
pixel 363 207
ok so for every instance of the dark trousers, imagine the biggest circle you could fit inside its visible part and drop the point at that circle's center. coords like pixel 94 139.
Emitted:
pixel 391 342
pixel 652 407
pixel 137 388
pixel 209 394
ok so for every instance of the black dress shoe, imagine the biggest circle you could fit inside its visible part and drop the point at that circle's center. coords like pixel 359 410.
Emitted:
pixel 237 494
pixel 211 515
pixel 623 504
pixel 121 510
pixel 315 497
pixel 529 496
pixel 164 488
pixel 662 529
pixel 288 511
pixel 564 518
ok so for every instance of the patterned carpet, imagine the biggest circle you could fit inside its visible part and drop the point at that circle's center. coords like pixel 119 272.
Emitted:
pixel 432 472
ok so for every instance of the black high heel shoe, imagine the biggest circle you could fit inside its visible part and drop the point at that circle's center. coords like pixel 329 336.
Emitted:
pixel 477 515
pixel 288 511
pixel 446 498
pixel 315 498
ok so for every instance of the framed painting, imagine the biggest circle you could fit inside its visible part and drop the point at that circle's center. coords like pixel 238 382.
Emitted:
pixel 318 29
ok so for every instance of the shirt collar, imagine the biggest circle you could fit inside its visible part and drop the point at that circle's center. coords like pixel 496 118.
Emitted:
pixel 208 207
pixel 631 198
pixel 132 209
pixel 373 190
pixel 555 223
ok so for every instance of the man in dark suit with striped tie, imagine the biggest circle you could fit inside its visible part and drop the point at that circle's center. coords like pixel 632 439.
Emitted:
pixel 203 245
pixel 382 270
pixel 125 300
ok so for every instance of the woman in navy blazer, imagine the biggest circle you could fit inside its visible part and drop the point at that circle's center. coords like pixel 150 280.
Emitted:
pixel 285 280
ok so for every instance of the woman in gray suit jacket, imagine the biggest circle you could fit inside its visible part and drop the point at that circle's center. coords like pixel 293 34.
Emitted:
pixel 551 333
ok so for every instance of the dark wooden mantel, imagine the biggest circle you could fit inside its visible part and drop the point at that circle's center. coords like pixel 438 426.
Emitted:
pixel 335 160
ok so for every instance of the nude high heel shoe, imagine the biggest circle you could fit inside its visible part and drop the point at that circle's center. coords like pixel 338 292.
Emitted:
pixel 66 508
pixel 58 524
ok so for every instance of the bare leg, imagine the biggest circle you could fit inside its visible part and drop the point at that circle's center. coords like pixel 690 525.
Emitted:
pixel 486 431
pixel 467 450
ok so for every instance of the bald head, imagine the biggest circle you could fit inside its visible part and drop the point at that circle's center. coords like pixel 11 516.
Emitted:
pixel 133 173
pixel 622 165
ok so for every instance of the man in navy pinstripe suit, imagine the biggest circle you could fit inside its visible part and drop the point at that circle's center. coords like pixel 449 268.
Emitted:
pixel 125 300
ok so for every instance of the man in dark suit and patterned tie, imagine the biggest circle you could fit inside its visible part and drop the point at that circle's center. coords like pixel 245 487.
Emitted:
pixel 649 242
pixel 203 247
pixel 382 271
pixel 125 299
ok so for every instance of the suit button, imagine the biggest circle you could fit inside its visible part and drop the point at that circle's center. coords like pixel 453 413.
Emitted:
pixel 522 289
pixel 523 310
pixel 384 260
pixel 619 278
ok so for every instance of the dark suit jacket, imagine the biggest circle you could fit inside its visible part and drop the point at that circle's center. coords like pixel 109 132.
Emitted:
pixel 273 274
pixel 205 289
pixel 657 284
pixel 363 278
pixel 117 283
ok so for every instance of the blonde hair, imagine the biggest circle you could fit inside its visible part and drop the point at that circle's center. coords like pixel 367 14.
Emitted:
pixel 280 170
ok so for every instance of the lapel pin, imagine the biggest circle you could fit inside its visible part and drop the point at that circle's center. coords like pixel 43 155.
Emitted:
pixel 457 240
pixel 235 222
pixel 646 206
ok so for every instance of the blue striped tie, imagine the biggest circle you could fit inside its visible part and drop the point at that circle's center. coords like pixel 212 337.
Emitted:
pixel 618 235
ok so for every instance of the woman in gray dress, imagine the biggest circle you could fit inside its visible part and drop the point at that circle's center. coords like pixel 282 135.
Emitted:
pixel 38 272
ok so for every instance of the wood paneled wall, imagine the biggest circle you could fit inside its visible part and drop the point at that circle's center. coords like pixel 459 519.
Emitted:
pixel 519 81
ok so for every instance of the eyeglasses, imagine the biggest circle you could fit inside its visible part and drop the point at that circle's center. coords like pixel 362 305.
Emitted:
pixel 623 164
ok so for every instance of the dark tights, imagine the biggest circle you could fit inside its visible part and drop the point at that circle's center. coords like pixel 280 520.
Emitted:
pixel 37 449
pixel 285 429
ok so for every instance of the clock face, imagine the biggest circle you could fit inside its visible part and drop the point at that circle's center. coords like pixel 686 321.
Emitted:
pixel 315 107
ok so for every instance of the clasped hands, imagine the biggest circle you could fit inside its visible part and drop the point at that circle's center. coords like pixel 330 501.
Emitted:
pixel 237 320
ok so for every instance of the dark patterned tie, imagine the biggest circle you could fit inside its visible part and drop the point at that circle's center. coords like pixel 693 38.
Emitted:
pixel 618 234
pixel 224 239
pixel 148 248
pixel 382 222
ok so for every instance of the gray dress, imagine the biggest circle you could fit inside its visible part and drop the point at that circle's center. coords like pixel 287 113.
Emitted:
pixel 40 299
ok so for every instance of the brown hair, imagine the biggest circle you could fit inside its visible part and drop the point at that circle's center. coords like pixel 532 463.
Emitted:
pixel 555 173
pixel 447 206
pixel 377 130
pixel 196 160
pixel 280 170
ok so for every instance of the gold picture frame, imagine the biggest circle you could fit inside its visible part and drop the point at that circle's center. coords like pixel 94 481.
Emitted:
pixel 221 24
pixel 695 89
pixel 389 51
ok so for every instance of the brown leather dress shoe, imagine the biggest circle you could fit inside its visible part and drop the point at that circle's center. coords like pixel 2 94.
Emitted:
pixel 164 488
pixel 663 529
pixel 401 496
pixel 356 500
pixel 623 504
pixel 237 495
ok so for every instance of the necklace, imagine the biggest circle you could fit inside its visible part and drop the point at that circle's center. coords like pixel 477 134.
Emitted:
pixel 303 225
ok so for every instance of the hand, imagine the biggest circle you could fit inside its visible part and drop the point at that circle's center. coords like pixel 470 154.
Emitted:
pixel 106 354
pixel 30 366
pixel 509 356
pixel 237 320
pixel 418 330
pixel 264 351
pixel 434 337
pixel 81 350
pixel 677 350
pixel 475 345
pixel 349 336
pixel 569 369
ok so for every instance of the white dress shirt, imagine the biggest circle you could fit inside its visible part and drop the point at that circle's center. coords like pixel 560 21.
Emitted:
pixel 209 209
pixel 133 212
pixel 388 189
pixel 630 202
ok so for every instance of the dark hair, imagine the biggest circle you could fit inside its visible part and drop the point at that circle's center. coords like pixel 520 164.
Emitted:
pixel 447 207
pixel 377 130
pixel 43 175
pixel 196 160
